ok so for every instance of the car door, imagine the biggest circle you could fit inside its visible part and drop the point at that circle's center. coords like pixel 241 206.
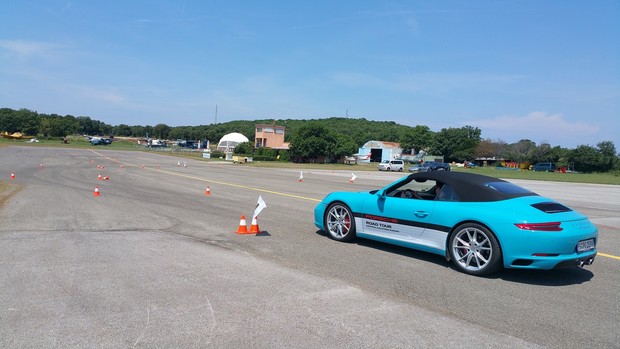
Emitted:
pixel 396 218
pixel 445 215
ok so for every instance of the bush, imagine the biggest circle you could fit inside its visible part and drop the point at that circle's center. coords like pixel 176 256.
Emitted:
pixel 217 154
pixel 284 156
pixel 245 148
pixel 266 152
pixel 263 158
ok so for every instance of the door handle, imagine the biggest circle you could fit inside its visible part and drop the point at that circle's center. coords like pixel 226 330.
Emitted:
pixel 421 214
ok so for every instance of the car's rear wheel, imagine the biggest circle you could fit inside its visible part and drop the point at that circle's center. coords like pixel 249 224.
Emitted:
pixel 475 250
pixel 339 222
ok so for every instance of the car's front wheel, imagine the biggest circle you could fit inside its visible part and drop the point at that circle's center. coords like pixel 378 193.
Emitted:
pixel 475 250
pixel 339 222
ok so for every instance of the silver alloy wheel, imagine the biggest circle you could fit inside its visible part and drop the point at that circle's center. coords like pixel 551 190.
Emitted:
pixel 472 249
pixel 339 222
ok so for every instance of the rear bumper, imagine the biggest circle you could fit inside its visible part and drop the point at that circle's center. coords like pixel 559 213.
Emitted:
pixel 553 262
pixel 577 262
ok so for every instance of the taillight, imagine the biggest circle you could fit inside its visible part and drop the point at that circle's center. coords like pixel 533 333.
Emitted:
pixel 551 226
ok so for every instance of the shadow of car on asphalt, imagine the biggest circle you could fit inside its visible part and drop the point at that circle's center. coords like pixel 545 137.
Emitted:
pixel 559 277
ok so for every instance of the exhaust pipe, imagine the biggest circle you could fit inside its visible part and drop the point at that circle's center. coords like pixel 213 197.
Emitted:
pixel 588 261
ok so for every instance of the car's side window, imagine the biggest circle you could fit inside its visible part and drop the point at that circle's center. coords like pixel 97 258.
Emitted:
pixel 399 191
pixel 427 190
pixel 446 193
pixel 423 187
pixel 416 190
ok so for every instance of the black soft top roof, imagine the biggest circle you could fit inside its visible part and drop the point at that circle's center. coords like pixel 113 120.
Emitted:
pixel 471 187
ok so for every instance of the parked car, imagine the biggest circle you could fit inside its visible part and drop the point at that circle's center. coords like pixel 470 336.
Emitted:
pixel 480 223
pixel 544 166
pixel 391 165
pixel 469 164
pixel 100 141
pixel 430 166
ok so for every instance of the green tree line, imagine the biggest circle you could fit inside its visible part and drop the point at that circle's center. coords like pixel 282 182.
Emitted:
pixel 331 138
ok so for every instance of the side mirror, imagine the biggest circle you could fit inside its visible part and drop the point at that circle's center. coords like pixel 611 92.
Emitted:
pixel 381 194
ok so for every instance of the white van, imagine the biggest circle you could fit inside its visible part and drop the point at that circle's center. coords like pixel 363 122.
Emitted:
pixel 391 165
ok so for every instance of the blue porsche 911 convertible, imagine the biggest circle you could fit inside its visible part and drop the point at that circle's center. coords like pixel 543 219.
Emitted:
pixel 480 223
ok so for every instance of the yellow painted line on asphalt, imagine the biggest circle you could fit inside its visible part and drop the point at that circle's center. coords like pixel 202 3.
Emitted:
pixel 608 255
pixel 216 182
pixel 239 186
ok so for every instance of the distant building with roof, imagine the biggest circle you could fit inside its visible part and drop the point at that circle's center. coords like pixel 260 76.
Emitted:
pixel 230 141
pixel 270 136
pixel 379 151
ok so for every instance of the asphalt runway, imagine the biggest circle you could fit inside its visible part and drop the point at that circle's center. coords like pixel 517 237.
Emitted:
pixel 155 263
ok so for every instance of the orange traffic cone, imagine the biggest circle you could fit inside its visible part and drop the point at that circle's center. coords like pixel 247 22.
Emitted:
pixel 254 229
pixel 96 193
pixel 12 175
pixel 99 177
pixel 243 226
pixel 208 191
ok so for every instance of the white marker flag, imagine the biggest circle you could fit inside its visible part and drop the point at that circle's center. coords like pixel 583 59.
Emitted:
pixel 259 206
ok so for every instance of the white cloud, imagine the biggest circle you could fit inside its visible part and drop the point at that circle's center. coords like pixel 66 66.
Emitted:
pixel 27 48
pixel 537 126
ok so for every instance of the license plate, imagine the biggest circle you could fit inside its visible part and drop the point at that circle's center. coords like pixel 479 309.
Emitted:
pixel 585 245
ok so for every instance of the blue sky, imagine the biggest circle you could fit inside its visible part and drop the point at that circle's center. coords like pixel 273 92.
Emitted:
pixel 548 71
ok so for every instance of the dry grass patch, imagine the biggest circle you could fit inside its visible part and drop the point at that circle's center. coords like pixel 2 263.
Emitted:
pixel 6 191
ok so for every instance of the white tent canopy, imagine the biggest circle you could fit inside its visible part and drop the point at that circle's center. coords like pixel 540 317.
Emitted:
pixel 230 141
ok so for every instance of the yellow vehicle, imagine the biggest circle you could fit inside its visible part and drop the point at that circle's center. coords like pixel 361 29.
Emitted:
pixel 16 135
pixel 241 159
